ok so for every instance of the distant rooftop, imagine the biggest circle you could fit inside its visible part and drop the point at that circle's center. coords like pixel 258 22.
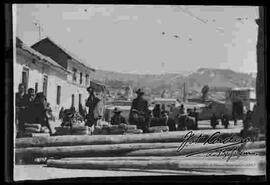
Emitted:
pixel 71 55
pixel 243 89
pixel 23 46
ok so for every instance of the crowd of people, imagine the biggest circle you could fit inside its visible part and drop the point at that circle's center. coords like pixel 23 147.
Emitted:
pixel 32 107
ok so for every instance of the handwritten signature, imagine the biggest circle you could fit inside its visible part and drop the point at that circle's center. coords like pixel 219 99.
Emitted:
pixel 232 145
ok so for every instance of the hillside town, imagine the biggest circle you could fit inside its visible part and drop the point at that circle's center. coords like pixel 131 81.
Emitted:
pixel 66 117
pixel 50 71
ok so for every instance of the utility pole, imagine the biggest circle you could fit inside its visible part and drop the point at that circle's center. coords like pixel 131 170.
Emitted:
pixel 37 24
pixel 184 92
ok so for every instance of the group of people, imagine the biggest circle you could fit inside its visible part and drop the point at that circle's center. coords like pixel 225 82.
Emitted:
pixel 144 118
pixel 31 107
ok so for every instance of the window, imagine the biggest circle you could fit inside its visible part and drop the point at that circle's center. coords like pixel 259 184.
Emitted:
pixel 80 78
pixel 25 77
pixel 86 79
pixel 58 95
pixel 74 77
pixel 36 87
pixel 45 84
pixel 72 100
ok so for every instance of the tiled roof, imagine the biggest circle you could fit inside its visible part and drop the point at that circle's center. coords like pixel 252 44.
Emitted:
pixel 30 50
pixel 71 55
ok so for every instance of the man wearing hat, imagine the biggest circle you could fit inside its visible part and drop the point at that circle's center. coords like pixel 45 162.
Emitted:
pixel 117 117
pixel 95 106
pixel 140 105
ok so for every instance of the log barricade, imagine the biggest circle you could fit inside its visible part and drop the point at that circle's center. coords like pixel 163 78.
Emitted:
pixel 73 140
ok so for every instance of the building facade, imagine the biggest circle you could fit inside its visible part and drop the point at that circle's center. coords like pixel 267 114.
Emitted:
pixel 40 73
pixel 78 78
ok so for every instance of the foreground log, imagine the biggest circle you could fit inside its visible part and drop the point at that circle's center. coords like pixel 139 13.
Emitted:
pixel 69 140
pixel 248 155
pixel 196 149
pixel 134 149
pixel 257 163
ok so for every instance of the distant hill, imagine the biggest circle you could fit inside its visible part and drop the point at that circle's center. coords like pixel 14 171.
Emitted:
pixel 214 78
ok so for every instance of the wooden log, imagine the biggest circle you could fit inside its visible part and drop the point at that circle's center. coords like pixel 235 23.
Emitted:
pixel 40 134
pixel 176 136
pixel 249 154
pixel 89 150
pixel 134 149
pixel 29 125
pixel 155 164
pixel 198 148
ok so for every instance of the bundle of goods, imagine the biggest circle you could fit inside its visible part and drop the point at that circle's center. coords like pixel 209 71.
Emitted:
pixel 158 129
pixel 104 129
pixel 80 130
pixel 30 129
pixel 72 118
pixel 72 124
pixel 75 130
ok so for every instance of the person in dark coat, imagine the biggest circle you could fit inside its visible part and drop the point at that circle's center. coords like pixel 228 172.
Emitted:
pixel 117 118
pixel 139 108
pixel 20 102
pixel 30 97
pixel 214 121
pixel 168 121
pixel 195 115
pixel 41 111
pixel 224 120
pixel 182 109
pixel 91 103
pixel 156 111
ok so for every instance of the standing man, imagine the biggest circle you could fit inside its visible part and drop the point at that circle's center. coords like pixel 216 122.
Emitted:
pixel 195 114
pixel 214 121
pixel 30 97
pixel 20 109
pixel 140 105
pixel 95 111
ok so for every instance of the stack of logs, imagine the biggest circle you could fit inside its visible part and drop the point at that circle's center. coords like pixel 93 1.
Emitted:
pixel 141 151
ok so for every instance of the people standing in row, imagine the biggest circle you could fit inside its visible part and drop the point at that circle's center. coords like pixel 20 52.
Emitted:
pixel 31 108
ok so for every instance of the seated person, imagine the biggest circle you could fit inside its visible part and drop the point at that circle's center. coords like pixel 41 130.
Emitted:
pixel 117 117
pixel 168 121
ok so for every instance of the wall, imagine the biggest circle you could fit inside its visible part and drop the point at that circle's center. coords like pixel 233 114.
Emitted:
pixel 37 71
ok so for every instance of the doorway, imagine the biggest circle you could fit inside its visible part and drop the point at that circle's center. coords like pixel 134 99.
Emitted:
pixel 237 109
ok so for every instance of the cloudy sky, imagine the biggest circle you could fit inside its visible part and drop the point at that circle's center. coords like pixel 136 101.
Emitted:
pixel 146 38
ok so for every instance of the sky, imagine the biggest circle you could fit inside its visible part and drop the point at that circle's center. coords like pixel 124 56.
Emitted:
pixel 146 39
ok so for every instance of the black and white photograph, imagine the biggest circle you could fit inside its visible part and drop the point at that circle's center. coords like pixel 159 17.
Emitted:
pixel 122 90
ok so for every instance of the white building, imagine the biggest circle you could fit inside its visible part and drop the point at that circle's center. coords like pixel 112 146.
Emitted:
pixel 78 78
pixel 40 73
pixel 239 99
